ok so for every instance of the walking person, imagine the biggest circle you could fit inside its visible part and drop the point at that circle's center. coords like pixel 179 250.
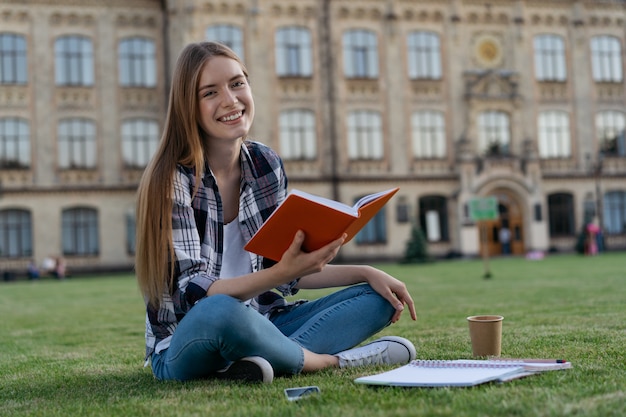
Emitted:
pixel 213 309
pixel 592 231
pixel 504 236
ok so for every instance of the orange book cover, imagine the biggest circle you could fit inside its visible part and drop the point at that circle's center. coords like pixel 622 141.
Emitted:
pixel 321 219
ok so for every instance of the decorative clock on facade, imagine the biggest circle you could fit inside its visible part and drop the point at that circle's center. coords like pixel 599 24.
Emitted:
pixel 488 51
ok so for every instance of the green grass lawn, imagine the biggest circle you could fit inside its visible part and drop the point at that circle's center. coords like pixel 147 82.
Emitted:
pixel 75 348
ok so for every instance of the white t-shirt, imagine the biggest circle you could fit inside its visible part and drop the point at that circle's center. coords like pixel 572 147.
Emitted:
pixel 235 260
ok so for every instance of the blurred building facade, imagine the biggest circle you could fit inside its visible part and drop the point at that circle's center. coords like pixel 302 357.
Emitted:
pixel 450 100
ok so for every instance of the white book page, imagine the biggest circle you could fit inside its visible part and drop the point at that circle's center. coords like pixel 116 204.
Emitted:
pixel 427 376
pixel 461 372
pixel 353 211
pixel 369 198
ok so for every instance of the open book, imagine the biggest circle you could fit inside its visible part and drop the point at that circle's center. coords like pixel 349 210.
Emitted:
pixel 321 219
pixel 461 373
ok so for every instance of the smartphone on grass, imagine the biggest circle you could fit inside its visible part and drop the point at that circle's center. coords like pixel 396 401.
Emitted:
pixel 295 394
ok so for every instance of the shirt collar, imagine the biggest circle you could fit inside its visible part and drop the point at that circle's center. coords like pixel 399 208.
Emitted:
pixel 248 170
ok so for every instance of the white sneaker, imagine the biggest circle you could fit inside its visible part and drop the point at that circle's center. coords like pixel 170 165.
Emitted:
pixel 248 369
pixel 388 350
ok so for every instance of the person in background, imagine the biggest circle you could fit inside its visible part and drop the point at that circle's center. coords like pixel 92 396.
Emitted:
pixel 32 271
pixel 591 241
pixel 59 270
pixel 213 309
pixel 48 265
pixel 504 235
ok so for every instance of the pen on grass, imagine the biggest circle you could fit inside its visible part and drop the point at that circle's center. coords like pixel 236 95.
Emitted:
pixel 531 360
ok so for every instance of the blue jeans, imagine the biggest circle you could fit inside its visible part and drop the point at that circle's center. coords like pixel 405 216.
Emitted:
pixel 221 329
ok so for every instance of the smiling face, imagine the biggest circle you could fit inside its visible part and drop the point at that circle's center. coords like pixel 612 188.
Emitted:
pixel 226 107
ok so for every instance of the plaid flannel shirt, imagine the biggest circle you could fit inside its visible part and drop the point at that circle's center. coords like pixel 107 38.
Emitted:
pixel 198 228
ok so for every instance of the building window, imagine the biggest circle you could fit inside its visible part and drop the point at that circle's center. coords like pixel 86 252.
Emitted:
pixel 297 135
pixel 365 136
pixel 77 144
pixel 554 135
pixel 614 213
pixel 611 133
pixel 549 58
pixel 137 63
pixel 494 133
pixel 140 139
pixel 424 55
pixel 14 143
pixel 606 59
pixel 561 214
pixel 80 231
pixel 402 210
pixel 375 231
pixel 16 238
pixel 229 35
pixel 429 134
pixel 433 217
pixel 360 54
pixel 13 67
pixel 74 61
pixel 293 52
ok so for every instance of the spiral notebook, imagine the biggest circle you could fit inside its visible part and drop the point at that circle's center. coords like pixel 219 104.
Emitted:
pixel 460 373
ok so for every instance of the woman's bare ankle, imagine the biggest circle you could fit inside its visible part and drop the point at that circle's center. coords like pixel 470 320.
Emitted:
pixel 317 361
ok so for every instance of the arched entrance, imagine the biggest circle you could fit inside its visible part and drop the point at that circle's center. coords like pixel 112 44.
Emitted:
pixel 511 217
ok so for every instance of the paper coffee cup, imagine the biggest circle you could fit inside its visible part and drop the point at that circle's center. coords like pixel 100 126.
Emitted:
pixel 486 334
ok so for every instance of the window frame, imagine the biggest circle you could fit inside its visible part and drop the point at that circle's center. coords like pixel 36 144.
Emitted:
pixel 139 141
pixel 137 62
pixel 550 58
pixel 614 212
pixel 360 54
pixel 80 231
pixel 294 51
pixel 424 55
pixel 13 59
pixel 365 135
pixel 298 135
pixel 21 143
pixel 16 233
pixel 81 138
pixel 606 59
pixel 554 134
pixel 561 215
pixel 428 134
pixel 438 203
pixel 611 132
pixel 494 132
pixel 74 61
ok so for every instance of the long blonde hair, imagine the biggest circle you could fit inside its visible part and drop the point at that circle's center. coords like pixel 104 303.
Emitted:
pixel 182 142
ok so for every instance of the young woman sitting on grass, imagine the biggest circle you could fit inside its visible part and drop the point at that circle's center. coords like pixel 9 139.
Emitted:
pixel 210 306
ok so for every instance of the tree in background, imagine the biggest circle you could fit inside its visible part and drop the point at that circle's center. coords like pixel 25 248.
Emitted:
pixel 416 247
